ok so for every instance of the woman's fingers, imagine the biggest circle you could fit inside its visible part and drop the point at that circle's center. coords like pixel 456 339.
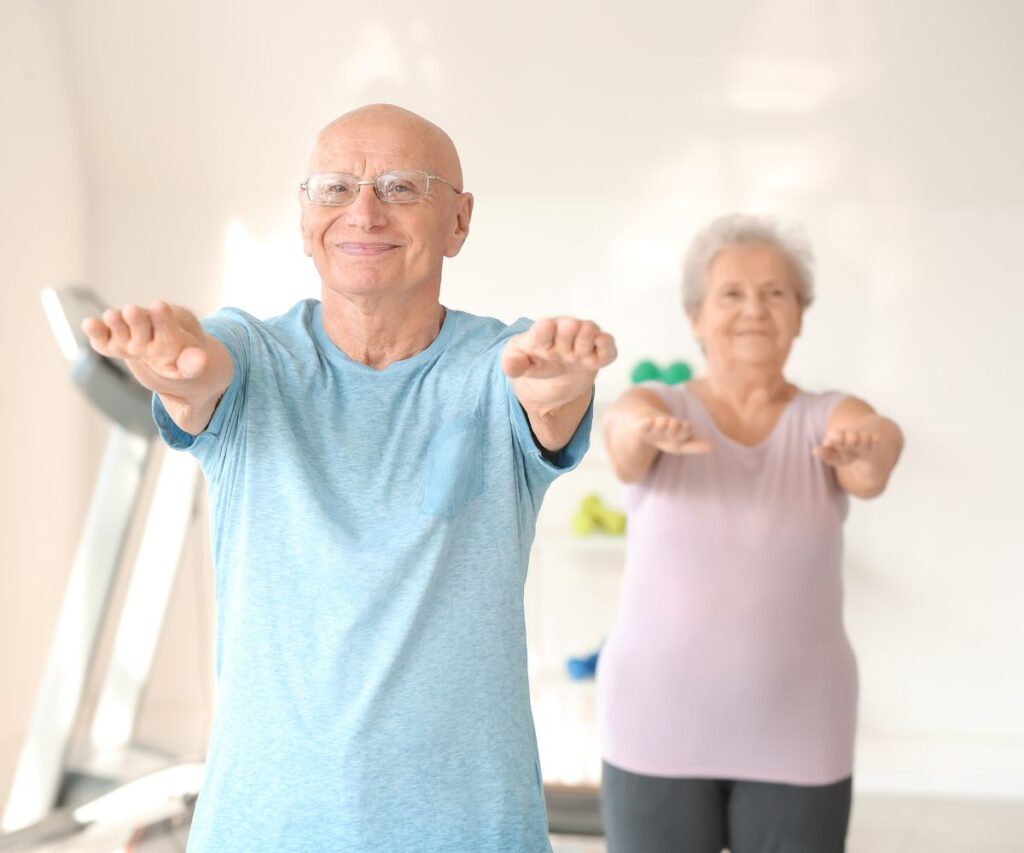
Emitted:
pixel 671 435
pixel 840 447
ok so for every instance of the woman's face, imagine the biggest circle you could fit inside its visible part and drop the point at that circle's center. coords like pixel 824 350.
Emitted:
pixel 751 311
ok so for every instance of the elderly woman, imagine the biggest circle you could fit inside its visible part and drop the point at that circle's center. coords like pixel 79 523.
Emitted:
pixel 728 688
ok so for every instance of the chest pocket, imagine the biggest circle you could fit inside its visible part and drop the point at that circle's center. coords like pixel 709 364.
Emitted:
pixel 454 469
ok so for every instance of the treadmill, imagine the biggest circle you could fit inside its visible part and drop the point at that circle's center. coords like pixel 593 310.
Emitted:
pixel 82 782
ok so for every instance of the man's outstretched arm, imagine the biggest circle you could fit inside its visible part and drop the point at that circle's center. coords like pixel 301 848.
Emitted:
pixel 167 350
pixel 552 366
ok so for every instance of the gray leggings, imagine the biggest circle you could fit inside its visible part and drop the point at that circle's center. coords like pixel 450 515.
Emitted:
pixel 652 814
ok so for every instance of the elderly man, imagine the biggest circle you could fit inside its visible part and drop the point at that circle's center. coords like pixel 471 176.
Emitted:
pixel 375 463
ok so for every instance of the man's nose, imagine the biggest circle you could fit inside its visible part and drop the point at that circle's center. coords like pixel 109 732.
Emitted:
pixel 367 211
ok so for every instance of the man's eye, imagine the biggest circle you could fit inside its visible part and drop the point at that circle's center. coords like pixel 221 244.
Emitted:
pixel 398 188
pixel 336 188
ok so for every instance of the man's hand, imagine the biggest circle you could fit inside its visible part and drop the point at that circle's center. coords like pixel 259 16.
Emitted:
pixel 164 346
pixel 552 366
pixel 167 350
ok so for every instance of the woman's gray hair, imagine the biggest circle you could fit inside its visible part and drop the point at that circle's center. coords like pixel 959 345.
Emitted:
pixel 738 229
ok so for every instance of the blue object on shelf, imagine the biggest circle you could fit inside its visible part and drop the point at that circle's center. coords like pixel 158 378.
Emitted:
pixel 582 668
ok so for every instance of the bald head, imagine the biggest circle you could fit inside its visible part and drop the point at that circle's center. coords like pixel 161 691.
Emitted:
pixel 383 133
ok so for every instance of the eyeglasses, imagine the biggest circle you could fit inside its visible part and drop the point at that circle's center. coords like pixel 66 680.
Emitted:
pixel 336 189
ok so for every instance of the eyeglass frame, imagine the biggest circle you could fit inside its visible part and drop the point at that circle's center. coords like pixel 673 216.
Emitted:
pixel 304 186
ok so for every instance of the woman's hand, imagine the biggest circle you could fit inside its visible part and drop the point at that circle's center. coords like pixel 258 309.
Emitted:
pixel 639 427
pixel 845 446
pixel 861 446
pixel 668 434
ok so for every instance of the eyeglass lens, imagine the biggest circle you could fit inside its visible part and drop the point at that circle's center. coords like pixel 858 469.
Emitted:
pixel 391 187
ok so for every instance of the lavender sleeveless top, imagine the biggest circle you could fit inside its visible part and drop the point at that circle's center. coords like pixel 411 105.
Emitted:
pixel 729 658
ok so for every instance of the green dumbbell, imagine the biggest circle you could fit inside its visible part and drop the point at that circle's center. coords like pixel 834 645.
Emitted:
pixel 645 371
pixel 594 516
pixel 676 372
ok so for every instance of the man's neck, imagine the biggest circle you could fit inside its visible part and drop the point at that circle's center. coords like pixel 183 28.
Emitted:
pixel 380 331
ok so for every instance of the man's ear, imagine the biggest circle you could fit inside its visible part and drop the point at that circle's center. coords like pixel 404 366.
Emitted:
pixel 307 243
pixel 460 230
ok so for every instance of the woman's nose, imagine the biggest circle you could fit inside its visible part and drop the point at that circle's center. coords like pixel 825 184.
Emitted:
pixel 755 305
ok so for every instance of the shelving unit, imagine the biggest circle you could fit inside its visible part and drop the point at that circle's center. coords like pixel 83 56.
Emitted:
pixel 572 599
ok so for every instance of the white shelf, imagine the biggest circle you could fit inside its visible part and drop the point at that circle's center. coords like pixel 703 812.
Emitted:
pixel 565 714
pixel 600 542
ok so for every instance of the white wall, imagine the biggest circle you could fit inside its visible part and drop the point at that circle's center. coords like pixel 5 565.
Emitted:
pixel 595 142
pixel 46 432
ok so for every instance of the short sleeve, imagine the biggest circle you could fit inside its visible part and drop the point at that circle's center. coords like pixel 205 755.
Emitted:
pixel 824 405
pixel 540 467
pixel 670 395
pixel 231 328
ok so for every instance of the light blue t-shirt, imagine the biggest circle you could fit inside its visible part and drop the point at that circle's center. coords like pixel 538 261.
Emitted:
pixel 371 535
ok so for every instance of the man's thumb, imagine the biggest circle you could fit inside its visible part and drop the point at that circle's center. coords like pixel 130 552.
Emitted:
pixel 191 362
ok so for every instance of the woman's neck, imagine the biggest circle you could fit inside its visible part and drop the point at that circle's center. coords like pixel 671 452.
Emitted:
pixel 742 387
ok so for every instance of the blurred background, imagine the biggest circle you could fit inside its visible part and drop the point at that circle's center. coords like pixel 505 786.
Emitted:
pixel 153 150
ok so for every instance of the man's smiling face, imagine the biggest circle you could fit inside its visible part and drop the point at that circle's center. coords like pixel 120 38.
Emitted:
pixel 369 246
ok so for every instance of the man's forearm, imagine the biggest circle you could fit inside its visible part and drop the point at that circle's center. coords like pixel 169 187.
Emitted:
pixel 554 428
pixel 192 405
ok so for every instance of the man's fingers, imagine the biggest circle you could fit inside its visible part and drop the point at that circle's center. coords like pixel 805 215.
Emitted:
pixel 566 329
pixel 541 335
pixel 97 332
pixel 139 327
pixel 514 362
pixel 569 340
pixel 162 317
pixel 583 344
pixel 118 328
pixel 604 345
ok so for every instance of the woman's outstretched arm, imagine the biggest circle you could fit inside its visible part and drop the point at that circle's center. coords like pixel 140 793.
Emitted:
pixel 638 428
pixel 862 447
